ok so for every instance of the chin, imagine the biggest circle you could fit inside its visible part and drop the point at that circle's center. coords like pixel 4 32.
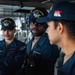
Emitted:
pixel 52 43
pixel 7 38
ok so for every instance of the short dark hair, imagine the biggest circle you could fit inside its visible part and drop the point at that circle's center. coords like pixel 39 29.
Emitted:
pixel 70 27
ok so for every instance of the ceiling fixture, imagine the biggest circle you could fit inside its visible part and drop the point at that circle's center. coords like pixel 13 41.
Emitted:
pixel 21 10
pixel 45 1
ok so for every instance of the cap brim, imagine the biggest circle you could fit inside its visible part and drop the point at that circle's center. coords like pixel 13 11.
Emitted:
pixel 7 28
pixel 43 19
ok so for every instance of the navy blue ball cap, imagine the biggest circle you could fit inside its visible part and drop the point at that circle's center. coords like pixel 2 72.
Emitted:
pixel 37 13
pixel 60 11
pixel 7 24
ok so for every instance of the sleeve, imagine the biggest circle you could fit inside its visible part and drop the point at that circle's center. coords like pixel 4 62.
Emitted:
pixel 15 61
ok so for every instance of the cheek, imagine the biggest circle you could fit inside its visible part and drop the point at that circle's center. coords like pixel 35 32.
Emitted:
pixel 4 33
pixel 29 27
pixel 48 32
pixel 11 33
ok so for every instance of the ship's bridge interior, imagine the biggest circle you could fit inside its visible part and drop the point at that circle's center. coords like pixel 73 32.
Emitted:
pixel 19 10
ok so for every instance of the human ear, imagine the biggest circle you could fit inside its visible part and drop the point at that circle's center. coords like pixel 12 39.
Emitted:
pixel 60 27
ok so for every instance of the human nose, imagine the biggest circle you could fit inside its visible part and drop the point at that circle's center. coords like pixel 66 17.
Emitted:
pixel 6 31
pixel 35 25
pixel 46 30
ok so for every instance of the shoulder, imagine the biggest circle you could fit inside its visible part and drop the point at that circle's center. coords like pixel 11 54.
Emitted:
pixel 1 42
pixel 20 43
pixel 44 39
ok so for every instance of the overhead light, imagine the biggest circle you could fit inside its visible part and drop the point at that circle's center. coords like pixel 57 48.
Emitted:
pixel 45 1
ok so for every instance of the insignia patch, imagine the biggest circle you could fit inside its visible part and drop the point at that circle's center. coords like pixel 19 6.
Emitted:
pixel 6 23
pixel 57 13
pixel 37 13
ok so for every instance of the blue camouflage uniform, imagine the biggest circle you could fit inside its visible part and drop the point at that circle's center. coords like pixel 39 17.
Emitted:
pixel 11 57
pixel 41 57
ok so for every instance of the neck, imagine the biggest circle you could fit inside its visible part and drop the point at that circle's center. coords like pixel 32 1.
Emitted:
pixel 68 46
pixel 36 38
pixel 8 41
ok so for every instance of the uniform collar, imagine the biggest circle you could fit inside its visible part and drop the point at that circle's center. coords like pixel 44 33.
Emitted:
pixel 10 43
pixel 69 64
pixel 42 39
